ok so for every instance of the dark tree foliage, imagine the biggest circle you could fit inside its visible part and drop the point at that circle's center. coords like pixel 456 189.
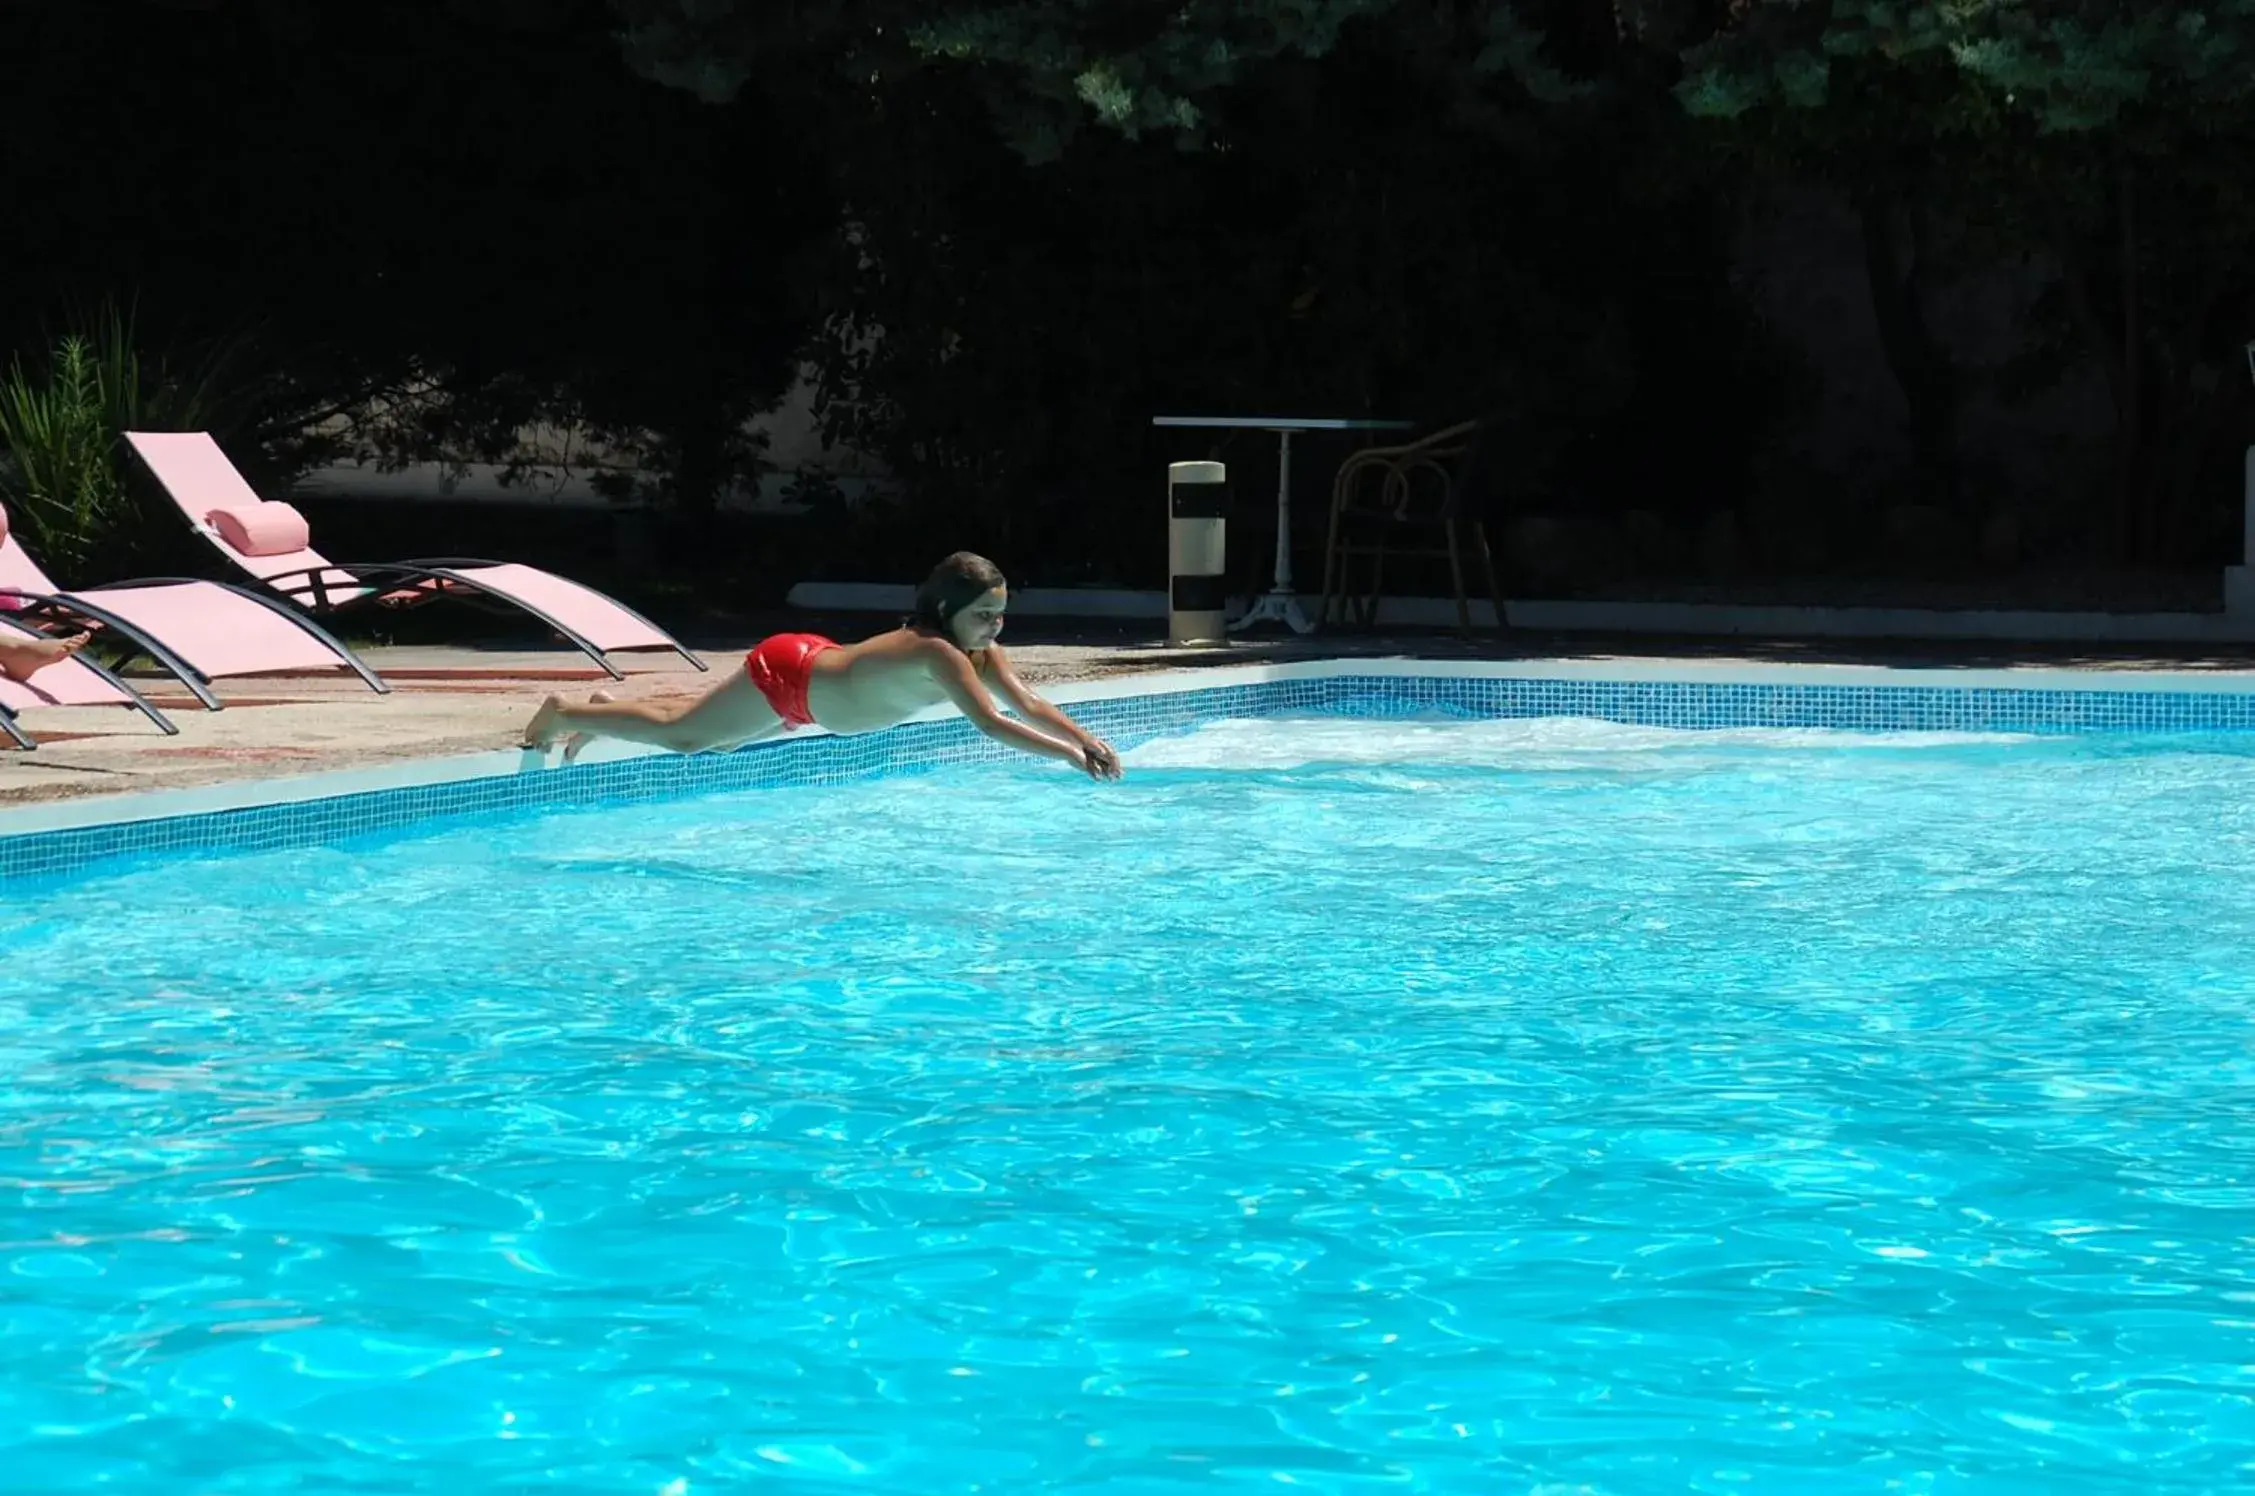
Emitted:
pixel 2109 138
pixel 1003 236
pixel 1348 208
pixel 450 221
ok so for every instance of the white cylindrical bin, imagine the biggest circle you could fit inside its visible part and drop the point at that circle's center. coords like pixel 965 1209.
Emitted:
pixel 1197 590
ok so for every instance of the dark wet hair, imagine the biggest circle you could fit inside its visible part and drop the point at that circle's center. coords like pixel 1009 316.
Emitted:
pixel 961 579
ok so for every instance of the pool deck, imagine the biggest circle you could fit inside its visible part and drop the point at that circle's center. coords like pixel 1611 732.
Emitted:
pixel 465 700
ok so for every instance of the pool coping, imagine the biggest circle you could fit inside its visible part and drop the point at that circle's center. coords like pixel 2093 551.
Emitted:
pixel 54 821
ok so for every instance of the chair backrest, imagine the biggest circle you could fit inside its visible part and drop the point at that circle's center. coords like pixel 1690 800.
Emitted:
pixel 196 475
pixel 1462 449
pixel 1470 477
pixel 19 571
pixel 193 472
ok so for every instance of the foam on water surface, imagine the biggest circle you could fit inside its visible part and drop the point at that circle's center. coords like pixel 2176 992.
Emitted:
pixel 1512 743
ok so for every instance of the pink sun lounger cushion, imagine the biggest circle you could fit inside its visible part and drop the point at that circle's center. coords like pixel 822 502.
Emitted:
pixel 8 604
pixel 261 529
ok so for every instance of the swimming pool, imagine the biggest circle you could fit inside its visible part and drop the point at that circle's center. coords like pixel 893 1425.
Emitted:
pixel 1500 1106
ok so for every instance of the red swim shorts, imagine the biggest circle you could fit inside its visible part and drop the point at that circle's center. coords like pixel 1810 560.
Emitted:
pixel 780 667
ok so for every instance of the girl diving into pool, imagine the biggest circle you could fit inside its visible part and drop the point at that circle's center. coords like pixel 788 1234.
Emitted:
pixel 945 651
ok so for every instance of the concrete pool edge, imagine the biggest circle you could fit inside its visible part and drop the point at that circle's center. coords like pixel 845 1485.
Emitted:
pixel 68 836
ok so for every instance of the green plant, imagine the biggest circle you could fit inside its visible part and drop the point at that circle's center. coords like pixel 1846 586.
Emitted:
pixel 61 434
pixel 60 483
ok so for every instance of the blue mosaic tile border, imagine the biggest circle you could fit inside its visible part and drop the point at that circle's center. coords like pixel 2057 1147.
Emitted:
pixel 1713 704
pixel 924 746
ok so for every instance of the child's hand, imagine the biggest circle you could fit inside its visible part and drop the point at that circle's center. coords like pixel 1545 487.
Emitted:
pixel 1100 759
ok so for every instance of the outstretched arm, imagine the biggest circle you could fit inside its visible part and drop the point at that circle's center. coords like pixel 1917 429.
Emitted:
pixel 1103 762
pixel 953 671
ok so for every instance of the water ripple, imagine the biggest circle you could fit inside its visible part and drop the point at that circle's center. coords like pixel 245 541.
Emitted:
pixel 1428 1108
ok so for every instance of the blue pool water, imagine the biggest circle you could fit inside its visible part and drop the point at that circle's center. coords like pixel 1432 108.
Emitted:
pixel 1330 1107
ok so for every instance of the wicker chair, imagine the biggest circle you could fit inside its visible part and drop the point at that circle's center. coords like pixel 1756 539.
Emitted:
pixel 1385 501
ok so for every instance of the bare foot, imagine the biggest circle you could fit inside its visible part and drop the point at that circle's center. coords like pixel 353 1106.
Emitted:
pixel 541 730
pixel 579 740
pixel 21 656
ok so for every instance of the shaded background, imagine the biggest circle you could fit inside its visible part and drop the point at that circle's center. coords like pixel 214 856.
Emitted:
pixel 1906 326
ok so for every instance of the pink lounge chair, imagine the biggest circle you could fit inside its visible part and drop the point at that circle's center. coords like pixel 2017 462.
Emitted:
pixel 271 542
pixel 198 631
pixel 73 682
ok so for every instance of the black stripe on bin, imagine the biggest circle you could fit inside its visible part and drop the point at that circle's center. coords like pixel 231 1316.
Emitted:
pixel 1199 500
pixel 1200 594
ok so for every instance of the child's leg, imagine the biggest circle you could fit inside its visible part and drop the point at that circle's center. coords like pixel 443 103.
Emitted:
pixel 731 713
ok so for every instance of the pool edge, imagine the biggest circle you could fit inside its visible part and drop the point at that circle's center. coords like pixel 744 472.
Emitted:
pixel 68 836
